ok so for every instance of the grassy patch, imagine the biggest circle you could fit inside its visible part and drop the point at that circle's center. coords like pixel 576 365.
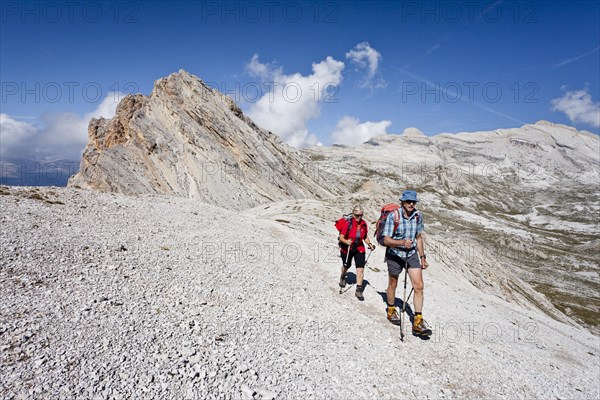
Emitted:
pixel 369 172
pixel 36 195
pixel 357 186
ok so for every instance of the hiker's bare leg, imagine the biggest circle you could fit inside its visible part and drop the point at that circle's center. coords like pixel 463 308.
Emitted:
pixel 360 273
pixel 391 289
pixel 344 271
pixel 416 279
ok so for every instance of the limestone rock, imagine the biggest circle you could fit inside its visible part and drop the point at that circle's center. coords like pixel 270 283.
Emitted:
pixel 187 139
pixel 412 132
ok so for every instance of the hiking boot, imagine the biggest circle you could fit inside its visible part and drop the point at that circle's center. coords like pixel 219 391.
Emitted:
pixel 342 281
pixel 420 327
pixel 392 315
pixel 359 293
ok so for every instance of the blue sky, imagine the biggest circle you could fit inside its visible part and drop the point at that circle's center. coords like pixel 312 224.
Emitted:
pixel 380 66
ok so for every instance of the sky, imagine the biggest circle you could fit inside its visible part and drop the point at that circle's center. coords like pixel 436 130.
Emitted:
pixel 315 73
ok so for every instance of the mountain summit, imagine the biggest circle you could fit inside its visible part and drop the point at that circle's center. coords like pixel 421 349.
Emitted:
pixel 187 139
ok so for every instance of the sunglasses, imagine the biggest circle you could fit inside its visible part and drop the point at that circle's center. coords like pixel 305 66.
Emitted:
pixel 410 202
pixel 358 215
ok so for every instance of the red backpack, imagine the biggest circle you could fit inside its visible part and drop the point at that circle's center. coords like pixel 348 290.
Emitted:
pixel 385 211
pixel 339 225
pixel 346 220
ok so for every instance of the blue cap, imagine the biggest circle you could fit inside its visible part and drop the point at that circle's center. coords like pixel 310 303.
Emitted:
pixel 409 195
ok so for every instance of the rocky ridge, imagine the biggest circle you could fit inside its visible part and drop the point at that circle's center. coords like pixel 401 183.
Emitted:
pixel 187 139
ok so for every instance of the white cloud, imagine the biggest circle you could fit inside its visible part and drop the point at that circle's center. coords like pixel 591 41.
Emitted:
pixel 14 135
pixel 579 107
pixel 293 100
pixel 257 69
pixel 351 132
pixel 51 136
pixel 107 108
pixel 364 56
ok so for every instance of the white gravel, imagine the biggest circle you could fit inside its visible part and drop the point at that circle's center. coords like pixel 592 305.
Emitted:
pixel 114 297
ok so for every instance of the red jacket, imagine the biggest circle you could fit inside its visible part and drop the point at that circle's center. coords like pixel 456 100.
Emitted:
pixel 363 230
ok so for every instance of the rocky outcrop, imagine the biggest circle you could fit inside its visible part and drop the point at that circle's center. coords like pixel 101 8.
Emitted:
pixel 413 132
pixel 187 139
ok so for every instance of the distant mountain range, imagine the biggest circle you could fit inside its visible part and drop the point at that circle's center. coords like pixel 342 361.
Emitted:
pixel 28 172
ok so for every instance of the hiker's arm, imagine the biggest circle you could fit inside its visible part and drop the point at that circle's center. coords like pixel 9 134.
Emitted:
pixel 421 251
pixel 389 242
pixel 343 239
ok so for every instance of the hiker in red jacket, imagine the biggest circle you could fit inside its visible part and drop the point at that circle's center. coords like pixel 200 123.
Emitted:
pixel 352 234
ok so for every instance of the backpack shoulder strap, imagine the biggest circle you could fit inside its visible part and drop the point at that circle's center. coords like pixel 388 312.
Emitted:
pixel 363 225
pixel 396 218
pixel 349 227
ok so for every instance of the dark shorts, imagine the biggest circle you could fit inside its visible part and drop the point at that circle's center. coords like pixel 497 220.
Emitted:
pixel 396 264
pixel 359 259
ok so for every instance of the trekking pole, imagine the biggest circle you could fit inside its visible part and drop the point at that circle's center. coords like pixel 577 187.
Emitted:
pixel 367 260
pixel 411 291
pixel 346 265
pixel 347 256
pixel 403 302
